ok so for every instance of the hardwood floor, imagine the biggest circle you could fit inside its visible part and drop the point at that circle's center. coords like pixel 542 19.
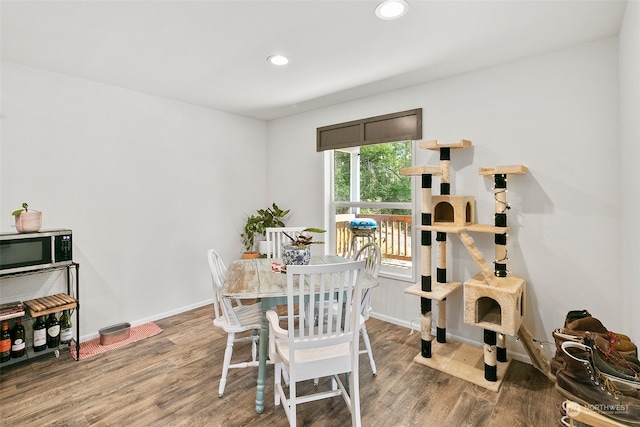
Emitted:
pixel 171 379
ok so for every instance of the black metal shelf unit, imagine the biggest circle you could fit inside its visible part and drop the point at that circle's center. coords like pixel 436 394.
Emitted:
pixel 72 280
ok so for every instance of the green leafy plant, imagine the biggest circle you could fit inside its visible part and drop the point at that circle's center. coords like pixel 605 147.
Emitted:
pixel 25 208
pixel 257 224
pixel 303 240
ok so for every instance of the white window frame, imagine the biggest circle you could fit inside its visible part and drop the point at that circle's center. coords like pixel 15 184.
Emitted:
pixel 401 274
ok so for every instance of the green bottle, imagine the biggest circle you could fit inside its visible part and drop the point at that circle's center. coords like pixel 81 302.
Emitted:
pixel 66 328
pixel 39 334
pixel 53 331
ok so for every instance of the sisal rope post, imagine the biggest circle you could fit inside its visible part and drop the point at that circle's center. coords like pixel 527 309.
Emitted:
pixel 445 166
pixel 441 266
pixel 490 356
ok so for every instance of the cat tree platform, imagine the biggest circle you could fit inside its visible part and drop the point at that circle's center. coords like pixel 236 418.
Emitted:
pixel 463 361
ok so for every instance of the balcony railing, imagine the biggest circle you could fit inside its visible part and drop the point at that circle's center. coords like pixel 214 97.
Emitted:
pixel 393 235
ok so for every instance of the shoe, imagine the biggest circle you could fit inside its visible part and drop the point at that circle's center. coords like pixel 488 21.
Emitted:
pixel 606 357
pixel 582 382
pixel 582 321
pixel 556 363
pixel 575 315
pixel 581 314
pixel 612 362
pixel 623 344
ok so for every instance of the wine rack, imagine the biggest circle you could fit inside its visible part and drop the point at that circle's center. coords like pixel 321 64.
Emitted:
pixel 42 306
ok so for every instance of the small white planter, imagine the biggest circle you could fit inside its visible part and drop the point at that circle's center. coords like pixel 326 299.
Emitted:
pixel 264 246
pixel 29 221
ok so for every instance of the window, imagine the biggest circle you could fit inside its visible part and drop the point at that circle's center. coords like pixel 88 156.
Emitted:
pixel 365 182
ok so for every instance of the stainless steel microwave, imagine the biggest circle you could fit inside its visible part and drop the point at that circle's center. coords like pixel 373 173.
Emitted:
pixel 20 252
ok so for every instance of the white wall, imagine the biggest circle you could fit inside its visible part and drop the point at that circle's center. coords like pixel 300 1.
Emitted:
pixel 146 184
pixel 630 158
pixel 557 114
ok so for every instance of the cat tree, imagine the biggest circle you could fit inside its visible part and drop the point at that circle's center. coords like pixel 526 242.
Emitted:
pixel 493 298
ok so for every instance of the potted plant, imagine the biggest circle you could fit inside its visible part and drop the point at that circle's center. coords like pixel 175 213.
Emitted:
pixel 256 225
pixel 298 252
pixel 27 221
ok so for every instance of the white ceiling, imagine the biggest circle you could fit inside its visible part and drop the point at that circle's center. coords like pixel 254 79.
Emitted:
pixel 213 53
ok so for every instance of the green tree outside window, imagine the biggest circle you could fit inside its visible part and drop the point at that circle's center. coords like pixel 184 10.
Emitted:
pixel 380 180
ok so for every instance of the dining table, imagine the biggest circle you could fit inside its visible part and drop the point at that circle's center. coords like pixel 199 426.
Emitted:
pixel 258 279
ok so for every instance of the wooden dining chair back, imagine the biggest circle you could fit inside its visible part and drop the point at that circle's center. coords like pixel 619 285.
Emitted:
pixel 371 254
pixel 304 350
pixel 234 318
pixel 276 238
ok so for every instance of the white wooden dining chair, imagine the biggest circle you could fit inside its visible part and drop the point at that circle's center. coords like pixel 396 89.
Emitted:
pixel 306 351
pixel 276 238
pixel 234 318
pixel 371 254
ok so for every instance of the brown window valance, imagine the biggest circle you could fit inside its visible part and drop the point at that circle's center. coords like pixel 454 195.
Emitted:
pixel 402 126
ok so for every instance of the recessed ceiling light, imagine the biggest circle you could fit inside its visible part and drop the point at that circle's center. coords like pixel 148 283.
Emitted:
pixel 278 60
pixel 392 9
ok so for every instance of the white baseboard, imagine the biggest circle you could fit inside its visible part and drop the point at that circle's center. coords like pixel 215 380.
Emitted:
pixel 154 317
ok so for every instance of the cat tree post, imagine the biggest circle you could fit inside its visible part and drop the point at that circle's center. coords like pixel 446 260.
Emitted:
pixel 500 240
pixel 441 278
pixel 425 303
pixel 424 288
pixel 501 206
pixel 441 238
pixel 490 357
pixel 496 304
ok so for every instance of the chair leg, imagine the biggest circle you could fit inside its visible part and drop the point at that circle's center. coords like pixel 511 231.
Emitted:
pixel 227 361
pixel 292 404
pixel 367 345
pixel 277 373
pixel 354 395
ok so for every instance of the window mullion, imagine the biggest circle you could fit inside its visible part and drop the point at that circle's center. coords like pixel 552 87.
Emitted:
pixel 355 179
pixel 378 205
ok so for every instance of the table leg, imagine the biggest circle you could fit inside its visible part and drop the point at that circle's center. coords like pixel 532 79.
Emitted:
pixel 262 357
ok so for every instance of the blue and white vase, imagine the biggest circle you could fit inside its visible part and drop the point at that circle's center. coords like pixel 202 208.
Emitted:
pixel 295 255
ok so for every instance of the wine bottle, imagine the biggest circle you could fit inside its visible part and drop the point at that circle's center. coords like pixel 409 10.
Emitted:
pixel 39 334
pixel 5 343
pixel 66 328
pixel 18 343
pixel 53 331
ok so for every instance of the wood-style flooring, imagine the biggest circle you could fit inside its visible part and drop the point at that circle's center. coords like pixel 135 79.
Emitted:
pixel 172 380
